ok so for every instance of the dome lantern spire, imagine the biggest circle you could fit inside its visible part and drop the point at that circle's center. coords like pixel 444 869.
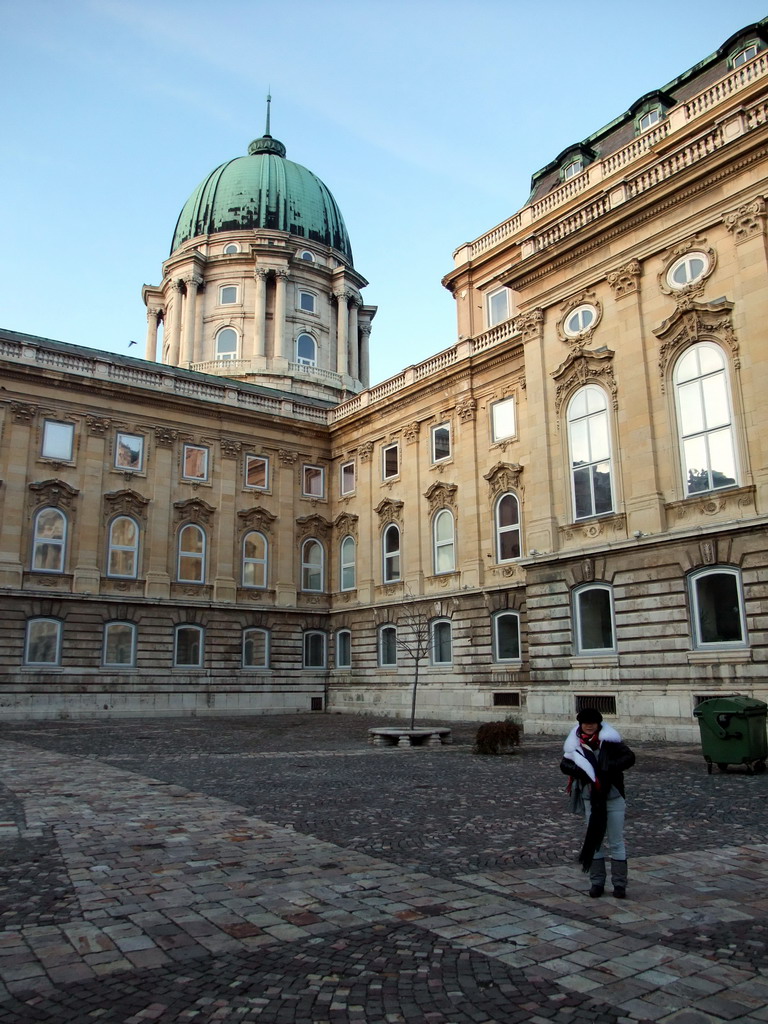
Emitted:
pixel 266 144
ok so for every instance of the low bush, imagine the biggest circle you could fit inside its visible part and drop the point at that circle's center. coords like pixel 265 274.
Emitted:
pixel 498 737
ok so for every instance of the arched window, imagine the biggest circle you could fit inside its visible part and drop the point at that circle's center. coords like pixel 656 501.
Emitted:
pixel 306 350
pixel 593 615
pixel 255 549
pixel 314 649
pixel 42 644
pixel 255 648
pixel 119 644
pixel 312 559
pixel 388 646
pixel 49 540
pixel 442 642
pixel 507 528
pixel 226 343
pixel 506 636
pixel 343 649
pixel 188 647
pixel 348 557
pixel 705 422
pixel 444 543
pixel 231 248
pixel 717 608
pixel 590 452
pixel 123 553
pixel 391 544
pixel 191 561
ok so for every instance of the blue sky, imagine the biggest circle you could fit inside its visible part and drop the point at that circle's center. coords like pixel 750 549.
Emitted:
pixel 425 119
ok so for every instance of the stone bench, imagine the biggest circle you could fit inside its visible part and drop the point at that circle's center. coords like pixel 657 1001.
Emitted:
pixel 434 736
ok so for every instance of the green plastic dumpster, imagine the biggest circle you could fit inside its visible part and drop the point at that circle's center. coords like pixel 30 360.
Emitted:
pixel 733 731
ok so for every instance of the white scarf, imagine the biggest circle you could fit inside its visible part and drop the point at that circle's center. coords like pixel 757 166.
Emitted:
pixel 572 747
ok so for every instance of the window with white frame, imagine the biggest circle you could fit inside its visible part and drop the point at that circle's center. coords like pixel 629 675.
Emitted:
pixel 717 608
pixel 314 649
pixel 307 302
pixel 593 616
pixel 391 552
pixel 58 440
pixel 312 566
pixel 648 119
pixel 441 442
pixel 255 648
pixel 705 420
pixel 307 255
pixel 49 540
pixel 257 472
pixel 390 461
pixel 191 554
pixel 231 248
pixel 306 350
pixel 507 516
pixel 129 452
pixel 503 419
pixel 255 559
pixel 744 55
pixel 226 343
pixel 388 646
pixel 188 646
pixel 688 270
pixel 441 646
pixel 227 294
pixel 590 452
pixel 347 482
pixel 194 464
pixel 123 548
pixel 573 168
pixel 313 482
pixel 580 320
pixel 343 649
pixel 42 644
pixel 498 306
pixel 348 557
pixel 506 636
pixel 119 649
pixel 444 541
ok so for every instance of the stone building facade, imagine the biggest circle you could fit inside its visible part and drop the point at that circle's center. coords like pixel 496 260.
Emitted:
pixel 571 500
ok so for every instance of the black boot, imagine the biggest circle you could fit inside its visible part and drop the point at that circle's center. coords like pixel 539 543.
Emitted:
pixel 597 877
pixel 619 878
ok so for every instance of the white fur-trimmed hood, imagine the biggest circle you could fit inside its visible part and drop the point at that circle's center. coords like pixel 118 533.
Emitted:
pixel 572 747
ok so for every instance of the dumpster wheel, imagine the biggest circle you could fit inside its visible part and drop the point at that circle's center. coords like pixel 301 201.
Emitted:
pixel 758 767
pixel 722 767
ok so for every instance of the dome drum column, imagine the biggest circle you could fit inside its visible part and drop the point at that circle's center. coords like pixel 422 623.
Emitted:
pixel 281 346
pixel 190 305
pixel 259 314
pixel 154 315
pixel 342 331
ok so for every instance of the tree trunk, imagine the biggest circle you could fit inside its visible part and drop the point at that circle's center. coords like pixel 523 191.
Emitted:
pixel 413 698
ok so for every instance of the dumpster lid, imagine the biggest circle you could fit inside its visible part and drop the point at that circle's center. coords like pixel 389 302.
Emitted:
pixel 734 704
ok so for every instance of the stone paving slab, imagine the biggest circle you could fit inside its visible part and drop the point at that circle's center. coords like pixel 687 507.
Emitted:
pixel 130 898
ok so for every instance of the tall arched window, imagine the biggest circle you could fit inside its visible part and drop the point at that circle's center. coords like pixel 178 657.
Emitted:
pixel 191 562
pixel 49 540
pixel 312 558
pixel 255 559
pixel 507 528
pixel 593 613
pixel 42 644
pixel 119 644
pixel 123 553
pixel 348 553
pixel 226 343
pixel 717 608
pixel 188 647
pixel 391 545
pixel 705 421
pixel 506 636
pixel 441 646
pixel 388 646
pixel 306 350
pixel 590 452
pixel 444 543
pixel 255 648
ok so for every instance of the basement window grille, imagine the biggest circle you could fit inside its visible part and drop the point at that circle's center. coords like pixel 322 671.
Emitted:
pixel 605 704
pixel 315 703
pixel 506 699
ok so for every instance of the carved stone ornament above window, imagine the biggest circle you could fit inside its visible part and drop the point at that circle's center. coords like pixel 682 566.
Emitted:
pixel 346 523
pixel 53 492
pixel 256 518
pixel 411 432
pixel 165 438
pixel 125 502
pixel 466 409
pixel 530 324
pixel 97 425
pixel 582 368
pixel 504 477
pixel 390 511
pixel 441 495
pixel 193 510
pixel 23 412
pixel 230 449
pixel 702 321
pixel 365 450
pixel 747 220
pixel 625 280
pixel 313 526
pixel 288 458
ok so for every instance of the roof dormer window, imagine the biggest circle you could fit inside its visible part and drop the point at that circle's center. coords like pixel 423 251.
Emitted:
pixel 573 168
pixel 744 55
pixel 648 119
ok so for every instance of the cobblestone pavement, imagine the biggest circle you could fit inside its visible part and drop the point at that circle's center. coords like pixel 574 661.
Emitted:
pixel 282 870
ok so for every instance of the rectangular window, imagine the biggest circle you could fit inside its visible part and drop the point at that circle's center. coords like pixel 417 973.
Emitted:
pixel 228 294
pixel 43 642
pixel 498 307
pixel 390 461
pixel 503 419
pixel 195 462
pixel 58 440
pixel 718 611
pixel 594 620
pixel 313 482
pixel 119 644
pixel 343 649
pixel 347 473
pixel 188 649
pixel 257 472
pixel 441 442
pixel 129 452
pixel 307 302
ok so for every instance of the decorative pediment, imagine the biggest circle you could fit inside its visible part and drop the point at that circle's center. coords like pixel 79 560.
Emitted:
pixel 193 510
pixel 53 492
pixel 441 495
pixel 346 523
pixel 313 526
pixel 256 518
pixel 126 502
pixel 390 511
pixel 699 322
pixel 582 368
pixel 504 477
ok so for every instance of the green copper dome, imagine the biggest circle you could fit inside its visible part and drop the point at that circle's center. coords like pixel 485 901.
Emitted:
pixel 263 190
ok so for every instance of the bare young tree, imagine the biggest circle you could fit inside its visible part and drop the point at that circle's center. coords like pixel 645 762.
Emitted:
pixel 413 640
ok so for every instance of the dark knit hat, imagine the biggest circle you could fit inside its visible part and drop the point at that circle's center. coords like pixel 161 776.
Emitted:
pixel 589 715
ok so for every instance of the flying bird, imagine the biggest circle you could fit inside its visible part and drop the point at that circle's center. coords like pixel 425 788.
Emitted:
pixel 131 343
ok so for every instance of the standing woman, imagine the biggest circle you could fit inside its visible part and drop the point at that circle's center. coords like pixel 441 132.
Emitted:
pixel 596 757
